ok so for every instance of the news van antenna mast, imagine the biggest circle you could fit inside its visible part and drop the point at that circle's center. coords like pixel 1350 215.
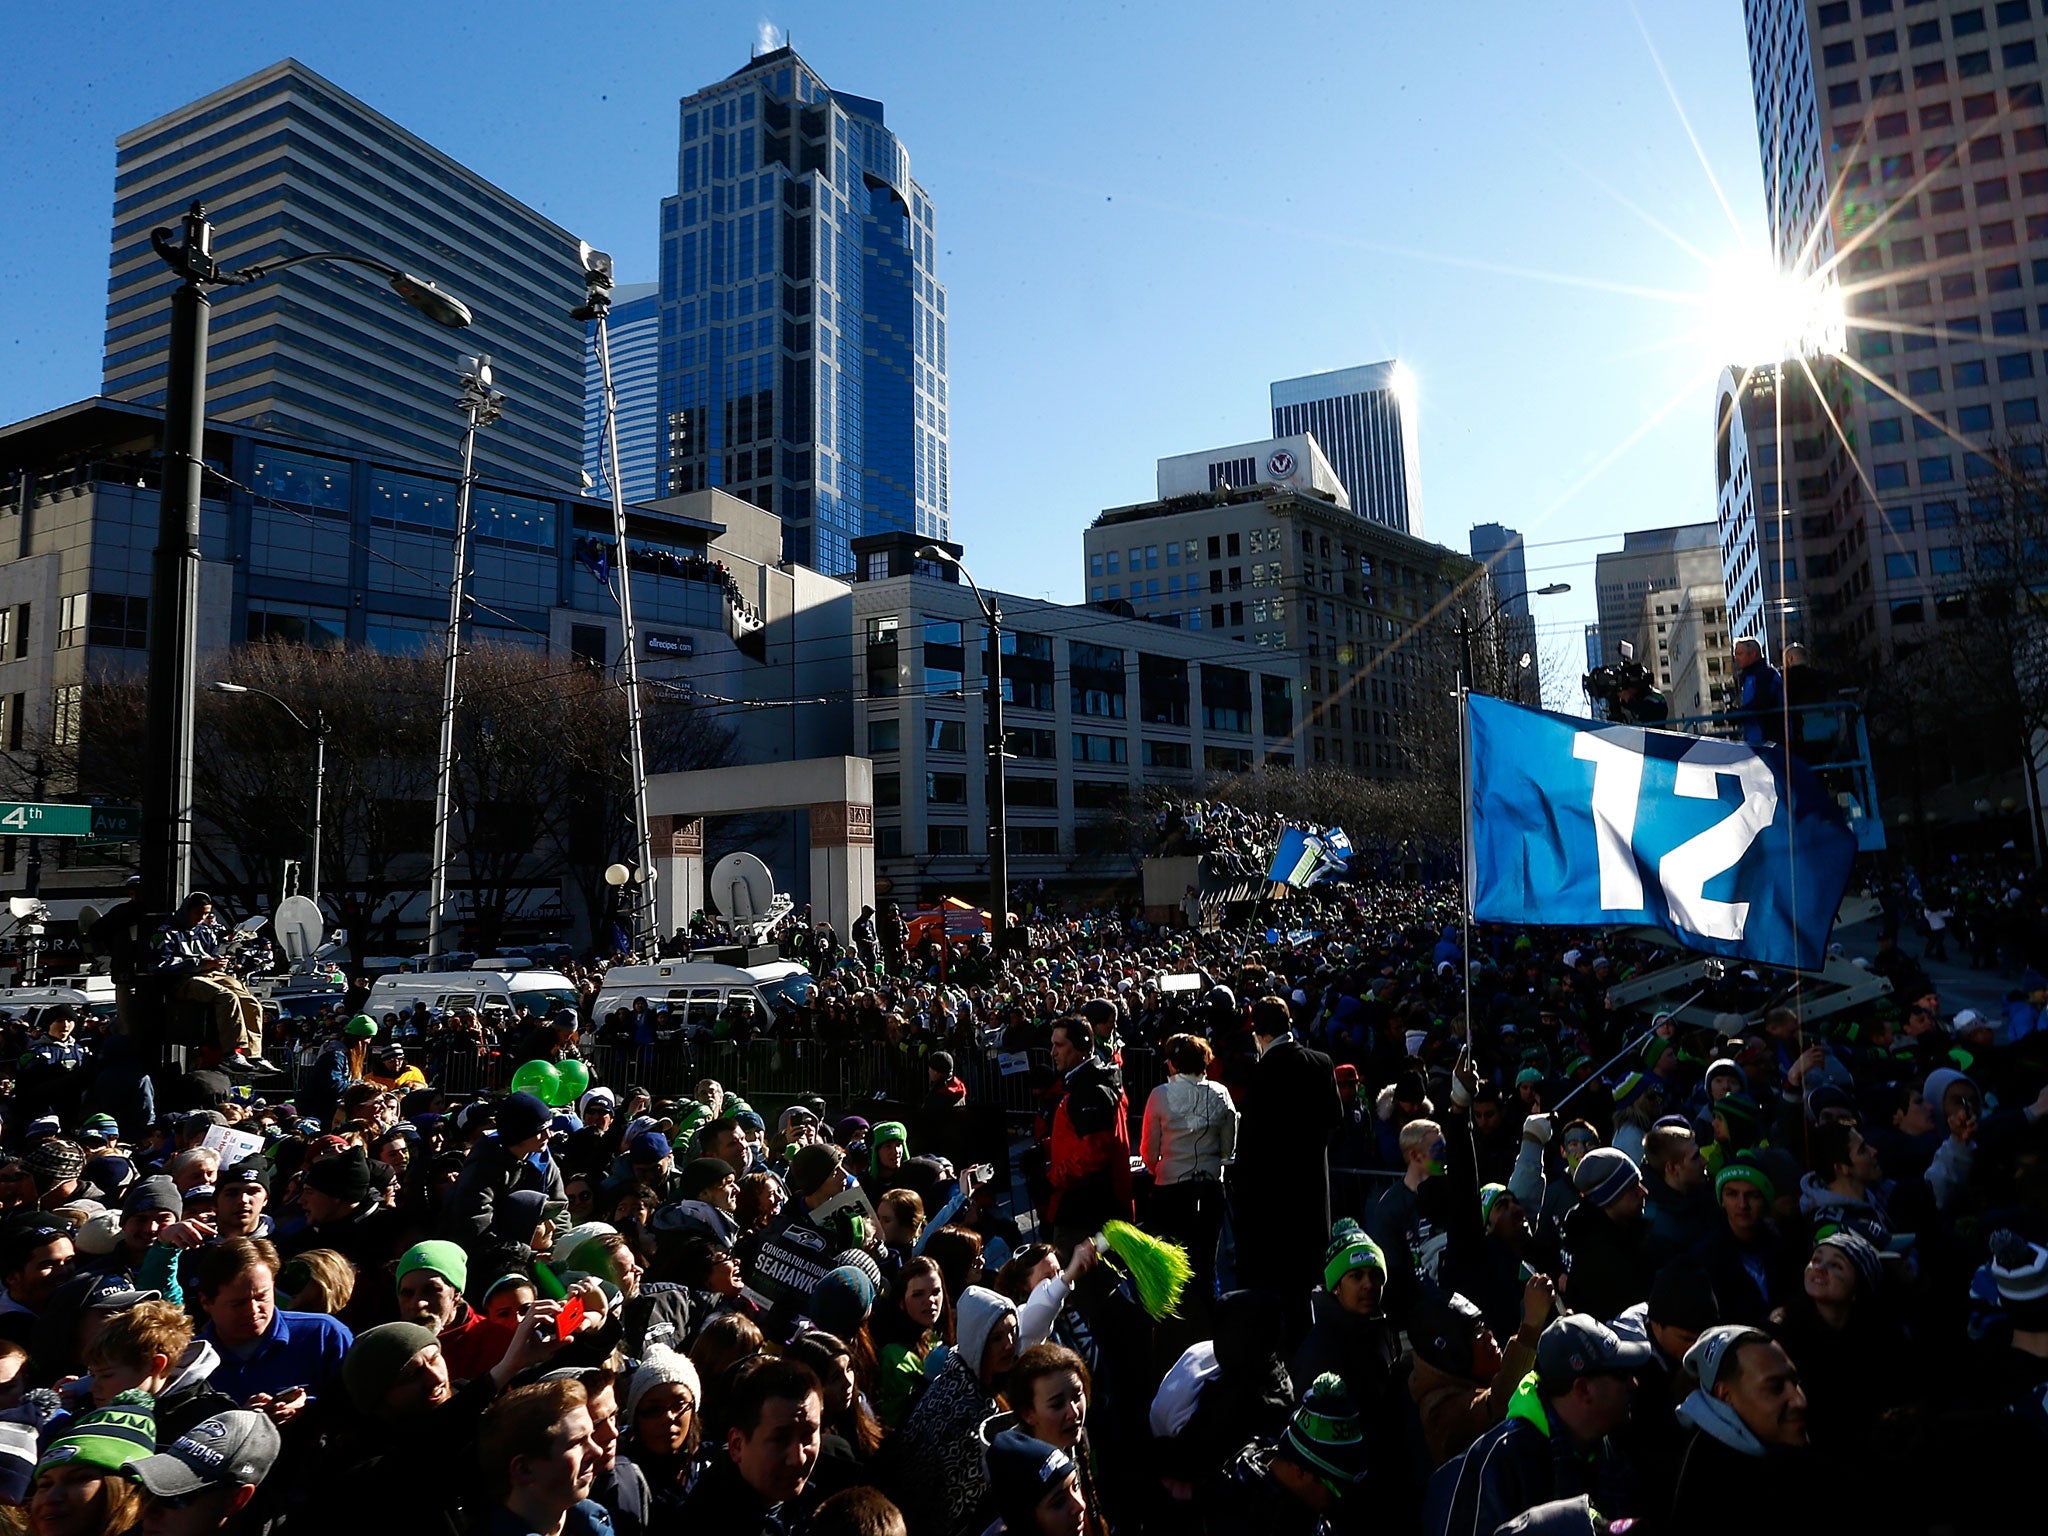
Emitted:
pixel 638 888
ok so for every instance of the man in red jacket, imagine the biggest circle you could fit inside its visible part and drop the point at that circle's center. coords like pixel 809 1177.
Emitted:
pixel 1088 1158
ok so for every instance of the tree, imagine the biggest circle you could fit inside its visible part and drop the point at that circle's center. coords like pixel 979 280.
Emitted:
pixel 1981 671
pixel 540 779
pixel 595 826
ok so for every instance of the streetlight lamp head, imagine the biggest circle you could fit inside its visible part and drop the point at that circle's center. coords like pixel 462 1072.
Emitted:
pixel 441 308
pixel 226 688
pixel 1555 589
pixel 933 552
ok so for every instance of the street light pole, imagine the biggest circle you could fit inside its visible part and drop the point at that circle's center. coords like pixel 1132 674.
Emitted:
pixel 998 789
pixel 481 406
pixel 174 581
pixel 174 586
pixel 317 729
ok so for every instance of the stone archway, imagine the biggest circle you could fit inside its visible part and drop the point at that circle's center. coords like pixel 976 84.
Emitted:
pixel 839 794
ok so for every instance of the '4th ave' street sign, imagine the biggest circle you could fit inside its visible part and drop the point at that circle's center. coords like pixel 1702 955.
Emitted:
pixel 110 822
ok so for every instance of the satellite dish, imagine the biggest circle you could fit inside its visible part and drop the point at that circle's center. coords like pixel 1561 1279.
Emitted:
pixel 298 927
pixel 741 887
pixel 21 908
pixel 88 914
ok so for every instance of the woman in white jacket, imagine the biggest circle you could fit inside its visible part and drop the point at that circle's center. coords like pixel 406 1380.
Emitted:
pixel 1189 1133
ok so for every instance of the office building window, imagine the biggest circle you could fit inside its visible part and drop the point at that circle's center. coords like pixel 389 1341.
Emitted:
pixel 1100 749
pixel 1165 754
pixel 67 704
pixel 1032 794
pixel 301 479
pixel 882 658
pixel 297 624
pixel 884 736
pixel 117 620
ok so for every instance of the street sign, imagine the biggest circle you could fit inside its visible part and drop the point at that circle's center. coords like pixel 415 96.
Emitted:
pixel 28 819
pixel 117 823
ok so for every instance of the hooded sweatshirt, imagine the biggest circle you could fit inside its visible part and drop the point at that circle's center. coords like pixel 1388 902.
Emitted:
pixel 1866 1217
pixel 942 1469
pixel 189 1398
pixel 1953 1160
pixel 1778 1491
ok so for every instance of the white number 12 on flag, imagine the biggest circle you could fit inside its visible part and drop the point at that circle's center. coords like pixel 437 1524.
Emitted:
pixel 1616 754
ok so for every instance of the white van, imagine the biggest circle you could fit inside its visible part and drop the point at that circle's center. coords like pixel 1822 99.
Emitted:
pixel 493 984
pixel 696 990
pixel 90 995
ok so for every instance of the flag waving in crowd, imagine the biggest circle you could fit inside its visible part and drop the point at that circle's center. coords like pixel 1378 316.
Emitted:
pixel 1733 849
pixel 1302 857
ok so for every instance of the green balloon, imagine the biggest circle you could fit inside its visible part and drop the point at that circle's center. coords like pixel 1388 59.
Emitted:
pixel 575 1080
pixel 541 1079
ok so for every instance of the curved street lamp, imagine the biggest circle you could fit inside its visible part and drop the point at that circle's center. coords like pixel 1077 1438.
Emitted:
pixel 174 589
pixel 1466 629
pixel 998 791
pixel 317 729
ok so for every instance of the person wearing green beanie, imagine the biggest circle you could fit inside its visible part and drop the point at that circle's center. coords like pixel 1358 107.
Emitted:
pixel 435 1257
pixel 361 1027
pixel 889 1147
pixel 81 1483
pixel 107 1438
pixel 416 1429
pixel 1348 1335
pixel 1754 1266
pixel 1738 1123
pixel 431 1279
pixel 1353 1256
pixel 1296 1481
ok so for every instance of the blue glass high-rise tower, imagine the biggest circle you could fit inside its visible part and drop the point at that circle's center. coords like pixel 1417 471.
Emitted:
pixel 803 332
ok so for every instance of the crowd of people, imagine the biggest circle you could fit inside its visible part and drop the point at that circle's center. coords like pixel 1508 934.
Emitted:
pixel 1232 844
pixel 597 554
pixel 1527 1262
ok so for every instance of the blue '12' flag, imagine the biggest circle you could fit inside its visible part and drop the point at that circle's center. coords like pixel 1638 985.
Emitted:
pixel 1733 849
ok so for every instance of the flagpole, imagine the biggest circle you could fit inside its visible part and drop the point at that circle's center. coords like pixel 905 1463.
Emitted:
pixel 1465 819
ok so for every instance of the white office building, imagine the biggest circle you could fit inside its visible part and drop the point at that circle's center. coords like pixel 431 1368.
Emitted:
pixel 1365 420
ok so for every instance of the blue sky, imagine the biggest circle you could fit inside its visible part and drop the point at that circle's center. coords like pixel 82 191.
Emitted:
pixel 1146 214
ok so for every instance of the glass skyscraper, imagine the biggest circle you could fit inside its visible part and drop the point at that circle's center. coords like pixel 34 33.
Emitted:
pixel 635 329
pixel 1364 421
pixel 803 332
pixel 287 163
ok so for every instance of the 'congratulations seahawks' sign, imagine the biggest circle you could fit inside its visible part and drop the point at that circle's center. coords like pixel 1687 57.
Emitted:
pixel 1733 849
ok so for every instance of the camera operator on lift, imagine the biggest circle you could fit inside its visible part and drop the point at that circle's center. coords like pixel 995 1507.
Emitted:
pixel 1627 690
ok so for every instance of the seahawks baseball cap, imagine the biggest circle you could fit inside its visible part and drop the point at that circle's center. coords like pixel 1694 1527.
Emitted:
pixel 1576 1345
pixel 233 1447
